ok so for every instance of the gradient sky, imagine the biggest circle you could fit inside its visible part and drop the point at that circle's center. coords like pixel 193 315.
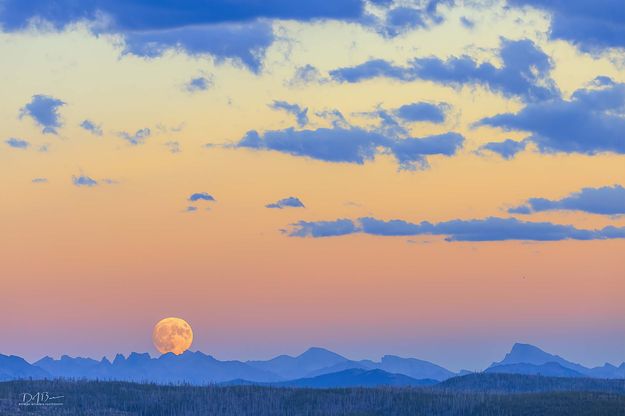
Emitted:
pixel 433 179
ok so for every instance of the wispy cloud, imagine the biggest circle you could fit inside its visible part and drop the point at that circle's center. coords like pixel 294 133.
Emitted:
pixel 91 127
pixel 137 138
pixel 488 229
pixel 17 143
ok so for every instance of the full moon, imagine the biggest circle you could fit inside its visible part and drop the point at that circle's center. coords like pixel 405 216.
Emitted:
pixel 172 335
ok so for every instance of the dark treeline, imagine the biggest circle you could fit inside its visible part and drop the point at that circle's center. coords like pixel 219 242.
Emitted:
pixel 123 398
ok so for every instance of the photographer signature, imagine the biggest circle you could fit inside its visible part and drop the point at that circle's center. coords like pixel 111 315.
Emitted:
pixel 40 399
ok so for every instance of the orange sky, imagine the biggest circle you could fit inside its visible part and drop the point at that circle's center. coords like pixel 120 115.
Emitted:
pixel 89 270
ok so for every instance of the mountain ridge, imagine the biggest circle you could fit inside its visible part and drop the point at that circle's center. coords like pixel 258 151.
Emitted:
pixel 199 368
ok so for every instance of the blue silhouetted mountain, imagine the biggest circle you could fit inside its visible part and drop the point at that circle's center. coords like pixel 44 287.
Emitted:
pixel 290 368
pixel 411 367
pixel 356 377
pixel 68 367
pixel 547 369
pixel 529 354
pixel 199 368
pixel 189 367
pixel 13 367
pixel 607 371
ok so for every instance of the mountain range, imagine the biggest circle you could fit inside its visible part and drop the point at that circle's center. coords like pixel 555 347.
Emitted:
pixel 316 367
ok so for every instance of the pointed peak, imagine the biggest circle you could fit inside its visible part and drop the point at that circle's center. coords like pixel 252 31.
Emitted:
pixel 105 360
pixel 317 351
pixel 520 347
pixel 119 358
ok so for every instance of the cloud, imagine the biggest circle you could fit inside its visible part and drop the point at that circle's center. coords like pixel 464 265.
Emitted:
pixel 246 43
pixel 506 149
pixel 591 121
pixel 467 23
pixel 301 114
pixel 39 180
pixel 291 201
pixel 222 28
pixel 352 145
pixel 141 15
pixel 591 25
pixel 190 209
pixel 323 228
pixel 524 73
pixel 17 143
pixel 422 111
pixel 607 200
pixel 173 147
pixel 44 110
pixel 306 74
pixel 403 18
pixel 488 229
pixel 200 196
pixel 84 180
pixel 137 138
pixel 199 84
pixel 91 127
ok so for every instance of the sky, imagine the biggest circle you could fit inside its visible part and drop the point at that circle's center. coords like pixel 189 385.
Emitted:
pixel 428 178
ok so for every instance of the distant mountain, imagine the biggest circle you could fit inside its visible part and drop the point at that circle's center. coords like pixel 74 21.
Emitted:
pixel 607 371
pixel 302 365
pixel 357 378
pixel 189 367
pixel 520 383
pixel 198 368
pixel 13 367
pixel 547 369
pixel 531 355
pixel 412 367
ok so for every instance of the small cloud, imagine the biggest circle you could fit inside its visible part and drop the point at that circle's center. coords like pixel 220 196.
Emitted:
pixel 306 74
pixel 17 143
pixel 43 109
pixel 290 202
pixel 91 127
pixel 423 111
pixel 201 196
pixel 39 180
pixel 137 138
pixel 301 114
pixel 201 83
pixel 84 180
pixel 173 146
pixel 190 208
pixel 466 22
pixel 506 149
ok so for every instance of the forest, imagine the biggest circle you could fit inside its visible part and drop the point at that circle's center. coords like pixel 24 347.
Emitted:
pixel 81 397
